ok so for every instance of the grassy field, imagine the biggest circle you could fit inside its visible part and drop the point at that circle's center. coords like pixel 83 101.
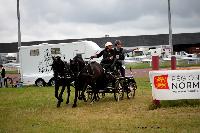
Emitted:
pixel 32 109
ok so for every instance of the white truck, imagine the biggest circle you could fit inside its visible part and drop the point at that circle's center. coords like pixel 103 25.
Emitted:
pixel 184 54
pixel 36 60
pixel 145 53
pixel 163 51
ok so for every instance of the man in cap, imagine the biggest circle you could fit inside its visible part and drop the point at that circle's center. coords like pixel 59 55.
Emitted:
pixel 2 76
pixel 119 55
pixel 108 56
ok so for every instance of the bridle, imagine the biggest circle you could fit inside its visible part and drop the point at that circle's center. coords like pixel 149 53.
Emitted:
pixel 81 70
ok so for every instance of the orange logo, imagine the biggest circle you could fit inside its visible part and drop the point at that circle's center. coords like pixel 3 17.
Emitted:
pixel 160 82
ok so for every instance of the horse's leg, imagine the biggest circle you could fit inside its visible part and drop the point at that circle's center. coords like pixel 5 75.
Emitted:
pixel 79 95
pixel 61 93
pixel 56 93
pixel 83 91
pixel 68 92
pixel 95 91
pixel 98 87
pixel 76 87
pixel 56 89
pixel 60 100
pixel 75 98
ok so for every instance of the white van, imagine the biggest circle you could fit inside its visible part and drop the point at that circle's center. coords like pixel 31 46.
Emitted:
pixel 36 60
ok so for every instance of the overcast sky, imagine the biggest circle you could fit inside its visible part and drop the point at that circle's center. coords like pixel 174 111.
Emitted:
pixel 65 19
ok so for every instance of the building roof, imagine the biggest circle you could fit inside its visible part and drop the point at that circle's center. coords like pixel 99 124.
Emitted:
pixel 129 41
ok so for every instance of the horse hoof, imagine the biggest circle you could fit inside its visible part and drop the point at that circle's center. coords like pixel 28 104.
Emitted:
pixel 74 106
pixel 85 100
pixel 58 104
pixel 80 98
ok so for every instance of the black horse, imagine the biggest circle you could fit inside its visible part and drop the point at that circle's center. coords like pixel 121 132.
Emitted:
pixel 62 77
pixel 91 74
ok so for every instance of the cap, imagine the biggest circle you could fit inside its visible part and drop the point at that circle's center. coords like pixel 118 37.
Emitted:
pixel 108 44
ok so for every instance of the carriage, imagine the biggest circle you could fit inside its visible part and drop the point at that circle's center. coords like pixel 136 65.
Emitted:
pixel 120 87
pixel 92 81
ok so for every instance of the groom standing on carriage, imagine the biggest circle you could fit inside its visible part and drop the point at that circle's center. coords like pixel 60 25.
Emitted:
pixel 119 55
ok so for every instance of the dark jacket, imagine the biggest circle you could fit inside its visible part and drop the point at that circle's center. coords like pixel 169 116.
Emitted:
pixel 3 73
pixel 119 55
pixel 106 56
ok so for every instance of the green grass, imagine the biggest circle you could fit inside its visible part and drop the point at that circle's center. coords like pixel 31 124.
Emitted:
pixel 33 109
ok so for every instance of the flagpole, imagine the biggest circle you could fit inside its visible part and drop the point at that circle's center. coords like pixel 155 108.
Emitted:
pixel 19 40
pixel 170 27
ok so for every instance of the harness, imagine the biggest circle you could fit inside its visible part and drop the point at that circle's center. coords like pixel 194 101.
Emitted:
pixel 86 68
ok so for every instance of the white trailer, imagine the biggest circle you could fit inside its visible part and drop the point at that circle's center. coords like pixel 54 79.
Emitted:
pixel 36 60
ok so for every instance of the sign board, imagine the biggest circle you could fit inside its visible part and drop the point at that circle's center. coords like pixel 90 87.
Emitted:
pixel 175 84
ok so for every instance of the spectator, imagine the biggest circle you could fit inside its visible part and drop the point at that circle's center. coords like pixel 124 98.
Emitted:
pixel 3 73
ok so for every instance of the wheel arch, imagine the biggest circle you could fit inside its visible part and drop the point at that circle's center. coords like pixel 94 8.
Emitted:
pixel 40 79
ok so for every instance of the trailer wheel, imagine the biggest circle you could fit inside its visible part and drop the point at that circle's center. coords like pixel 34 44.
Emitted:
pixel 40 82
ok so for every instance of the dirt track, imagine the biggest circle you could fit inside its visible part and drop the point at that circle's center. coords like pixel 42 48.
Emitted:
pixel 138 73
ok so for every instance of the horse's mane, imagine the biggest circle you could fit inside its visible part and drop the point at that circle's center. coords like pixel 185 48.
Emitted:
pixel 80 60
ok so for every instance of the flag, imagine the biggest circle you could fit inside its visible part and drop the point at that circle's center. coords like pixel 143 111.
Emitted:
pixel 161 82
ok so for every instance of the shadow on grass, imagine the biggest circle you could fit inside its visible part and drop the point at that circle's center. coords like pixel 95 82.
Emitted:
pixel 175 103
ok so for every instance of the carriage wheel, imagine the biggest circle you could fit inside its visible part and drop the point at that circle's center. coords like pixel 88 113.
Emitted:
pixel 131 90
pixel 118 91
